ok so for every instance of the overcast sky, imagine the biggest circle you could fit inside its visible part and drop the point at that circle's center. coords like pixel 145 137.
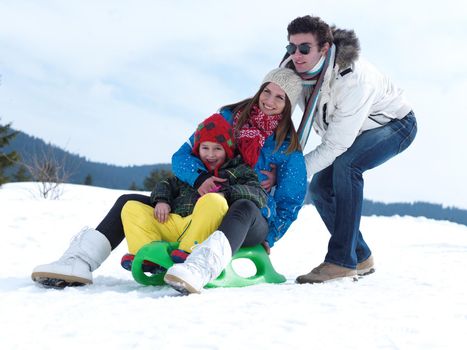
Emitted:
pixel 126 82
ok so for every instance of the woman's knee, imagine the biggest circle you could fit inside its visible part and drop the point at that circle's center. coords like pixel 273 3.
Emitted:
pixel 243 204
pixel 124 198
pixel 243 208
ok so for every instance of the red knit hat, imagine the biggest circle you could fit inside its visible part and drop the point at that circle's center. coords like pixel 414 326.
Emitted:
pixel 215 129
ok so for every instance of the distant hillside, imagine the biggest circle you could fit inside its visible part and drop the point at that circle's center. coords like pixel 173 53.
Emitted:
pixel 428 210
pixel 118 177
pixel 102 175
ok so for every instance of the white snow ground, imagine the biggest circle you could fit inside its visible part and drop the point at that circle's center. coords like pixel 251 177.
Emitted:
pixel 417 298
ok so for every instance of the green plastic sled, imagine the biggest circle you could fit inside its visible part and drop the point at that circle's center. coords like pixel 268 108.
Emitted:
pixel 159 252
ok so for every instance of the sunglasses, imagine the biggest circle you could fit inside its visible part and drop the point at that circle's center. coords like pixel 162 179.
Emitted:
pixel 304 48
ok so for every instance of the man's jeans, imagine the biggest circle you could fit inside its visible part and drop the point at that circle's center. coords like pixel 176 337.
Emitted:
pixel 337 191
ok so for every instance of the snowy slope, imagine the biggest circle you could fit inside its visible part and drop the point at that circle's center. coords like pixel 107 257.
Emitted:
pixel 417 299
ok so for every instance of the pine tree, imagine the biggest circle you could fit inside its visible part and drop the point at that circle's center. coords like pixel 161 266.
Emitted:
pixel 133 187
pixel 88 180
pixel 6 159
pixel 154 177
pixel 22 175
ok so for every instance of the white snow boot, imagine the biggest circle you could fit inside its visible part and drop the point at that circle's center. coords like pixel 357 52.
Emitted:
pixel 86 253
pixel 203 265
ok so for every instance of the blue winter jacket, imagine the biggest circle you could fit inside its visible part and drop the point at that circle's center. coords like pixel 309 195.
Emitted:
pixel 284 201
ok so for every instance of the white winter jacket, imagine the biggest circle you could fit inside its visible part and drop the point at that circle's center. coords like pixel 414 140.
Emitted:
pixel 352 100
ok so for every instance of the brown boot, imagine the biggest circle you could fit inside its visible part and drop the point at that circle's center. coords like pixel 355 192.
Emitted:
pixel 366 267
pixel 327 272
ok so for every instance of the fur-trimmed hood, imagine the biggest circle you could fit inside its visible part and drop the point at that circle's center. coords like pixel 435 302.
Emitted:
pixel 347 49
pixel 347 46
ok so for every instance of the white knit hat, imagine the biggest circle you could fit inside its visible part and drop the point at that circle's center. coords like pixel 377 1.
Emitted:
pixel 288 81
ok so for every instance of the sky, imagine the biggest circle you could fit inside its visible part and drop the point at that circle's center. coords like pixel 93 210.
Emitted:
pixel 126 82
pixel 414 300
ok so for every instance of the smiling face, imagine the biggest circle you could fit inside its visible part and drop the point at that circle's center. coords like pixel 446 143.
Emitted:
pixel 303 63
pixel 212 154
pixel 272 99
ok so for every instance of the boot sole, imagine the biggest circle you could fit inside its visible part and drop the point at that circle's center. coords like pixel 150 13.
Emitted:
pixel 56 280
pixel 353 278
pixel 179 285
pixel 365 272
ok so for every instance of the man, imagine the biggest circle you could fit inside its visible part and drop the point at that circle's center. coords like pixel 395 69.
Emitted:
pixel 363 121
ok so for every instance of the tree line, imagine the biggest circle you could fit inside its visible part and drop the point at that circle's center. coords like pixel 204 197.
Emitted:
pixel 26 158
pixel 51 166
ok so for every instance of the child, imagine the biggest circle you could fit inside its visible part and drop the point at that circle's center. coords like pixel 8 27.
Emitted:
pixel 179 213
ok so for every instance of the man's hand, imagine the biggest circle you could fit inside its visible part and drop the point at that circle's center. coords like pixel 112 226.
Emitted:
pixel 210 185
pixel 161 212
pixel 270 182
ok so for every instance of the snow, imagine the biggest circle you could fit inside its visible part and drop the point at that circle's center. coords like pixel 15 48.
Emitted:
pixel 415 300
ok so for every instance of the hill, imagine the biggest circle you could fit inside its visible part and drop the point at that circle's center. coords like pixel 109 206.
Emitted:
pixel 102 175
pixel 118 177
pixel 429 210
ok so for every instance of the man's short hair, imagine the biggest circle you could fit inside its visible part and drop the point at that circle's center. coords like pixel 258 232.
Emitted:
pixel 313 25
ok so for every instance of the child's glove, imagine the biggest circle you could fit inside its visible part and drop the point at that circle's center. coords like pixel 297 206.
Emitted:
pixel 216 188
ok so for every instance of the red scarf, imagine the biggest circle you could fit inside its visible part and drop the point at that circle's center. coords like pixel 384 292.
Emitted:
pixel 252 135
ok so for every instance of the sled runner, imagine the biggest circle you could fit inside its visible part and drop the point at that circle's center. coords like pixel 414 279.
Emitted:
pixel 158 252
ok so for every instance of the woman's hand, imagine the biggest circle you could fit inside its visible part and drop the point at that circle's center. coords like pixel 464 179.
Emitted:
pixel 161 212
pixel 210 185
pixel 266 247
pixel 270 182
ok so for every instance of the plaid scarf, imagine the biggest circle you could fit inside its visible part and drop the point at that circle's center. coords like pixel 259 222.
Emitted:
pixel 252 135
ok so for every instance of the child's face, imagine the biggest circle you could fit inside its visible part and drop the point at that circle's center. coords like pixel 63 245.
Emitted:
pixel 272 99
pixel 212 154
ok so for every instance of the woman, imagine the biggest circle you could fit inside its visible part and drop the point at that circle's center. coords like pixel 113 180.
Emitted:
pixel 265 135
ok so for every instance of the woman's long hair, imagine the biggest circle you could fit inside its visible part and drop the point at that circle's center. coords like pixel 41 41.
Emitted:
pixel 285 127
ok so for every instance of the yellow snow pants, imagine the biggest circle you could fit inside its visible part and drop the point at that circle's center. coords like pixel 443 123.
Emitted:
pixel 141 227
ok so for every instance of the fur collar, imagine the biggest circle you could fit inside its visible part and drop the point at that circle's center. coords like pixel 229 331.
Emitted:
pixel 347 47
